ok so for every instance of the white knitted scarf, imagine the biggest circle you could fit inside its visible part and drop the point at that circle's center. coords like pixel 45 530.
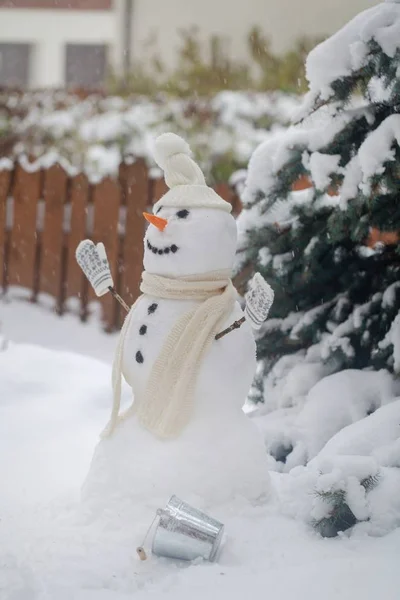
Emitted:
pixel 167 402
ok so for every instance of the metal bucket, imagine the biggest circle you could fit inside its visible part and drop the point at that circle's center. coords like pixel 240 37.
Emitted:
pixel 185 533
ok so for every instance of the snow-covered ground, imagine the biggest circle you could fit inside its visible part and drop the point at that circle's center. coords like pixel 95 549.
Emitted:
pixel 24 322
pixel 54 400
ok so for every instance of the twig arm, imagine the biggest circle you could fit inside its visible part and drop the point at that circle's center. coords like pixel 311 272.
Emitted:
pixel 235 325
pixel 118 297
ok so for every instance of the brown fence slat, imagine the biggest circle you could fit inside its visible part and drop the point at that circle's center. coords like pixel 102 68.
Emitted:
pixel 5 178
pixel 159 189
pixel 136 193
pixel 21 264
pixel 226 192
pixel 106 199
pixel 55 185
pixel 78 198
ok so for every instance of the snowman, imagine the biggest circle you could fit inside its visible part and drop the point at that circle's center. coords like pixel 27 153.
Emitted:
pixel 185 432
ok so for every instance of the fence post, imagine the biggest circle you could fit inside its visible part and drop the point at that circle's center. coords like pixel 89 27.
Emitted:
pixel 22 257
pixel 5 179
pixel 159 188
pixel 78 199
pixel 52 255
pixel 106 201
pixel 136 184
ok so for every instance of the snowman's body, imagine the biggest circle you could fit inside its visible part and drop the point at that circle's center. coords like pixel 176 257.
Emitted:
pixel 219 455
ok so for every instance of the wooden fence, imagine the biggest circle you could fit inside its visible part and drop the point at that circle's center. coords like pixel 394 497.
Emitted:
pixel 45 214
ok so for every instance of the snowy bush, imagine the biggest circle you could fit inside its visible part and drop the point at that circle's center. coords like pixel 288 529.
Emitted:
pixel 97 133
pixel 341 495
pixel 305 426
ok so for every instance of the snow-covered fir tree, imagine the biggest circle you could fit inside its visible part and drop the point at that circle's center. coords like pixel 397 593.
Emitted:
pixel 331 252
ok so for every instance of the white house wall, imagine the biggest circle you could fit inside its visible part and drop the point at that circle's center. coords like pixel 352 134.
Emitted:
pixel 49 31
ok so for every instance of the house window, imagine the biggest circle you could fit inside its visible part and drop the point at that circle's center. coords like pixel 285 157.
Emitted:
pixel 85 65
pixel 14 65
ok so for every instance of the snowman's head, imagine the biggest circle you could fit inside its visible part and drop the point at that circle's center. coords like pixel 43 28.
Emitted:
pixel 191 230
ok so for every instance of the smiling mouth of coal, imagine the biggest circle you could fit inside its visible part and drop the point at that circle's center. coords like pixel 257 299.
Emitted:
pixel 173 248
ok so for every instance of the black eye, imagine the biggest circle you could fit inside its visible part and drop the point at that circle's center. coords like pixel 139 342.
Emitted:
pixel 182 214
pixel 158 210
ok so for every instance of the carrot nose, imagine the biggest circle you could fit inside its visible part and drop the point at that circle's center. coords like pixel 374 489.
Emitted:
pixel 158 222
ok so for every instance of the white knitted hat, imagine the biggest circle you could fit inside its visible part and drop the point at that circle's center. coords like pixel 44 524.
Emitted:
pixel 188 188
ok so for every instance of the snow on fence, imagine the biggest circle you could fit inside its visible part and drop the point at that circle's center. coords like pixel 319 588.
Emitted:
pixel 44 214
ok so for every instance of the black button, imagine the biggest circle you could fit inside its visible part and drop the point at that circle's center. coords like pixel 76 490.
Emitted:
pixel 152 308
pixel 139 357
pixel 143 329
pixel 174 248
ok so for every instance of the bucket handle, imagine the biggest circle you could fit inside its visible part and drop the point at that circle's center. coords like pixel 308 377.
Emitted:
pixel 140 550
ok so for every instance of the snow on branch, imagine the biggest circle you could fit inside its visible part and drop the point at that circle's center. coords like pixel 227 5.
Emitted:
pixel 348 51
pixel 377 149
pixel 308 139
